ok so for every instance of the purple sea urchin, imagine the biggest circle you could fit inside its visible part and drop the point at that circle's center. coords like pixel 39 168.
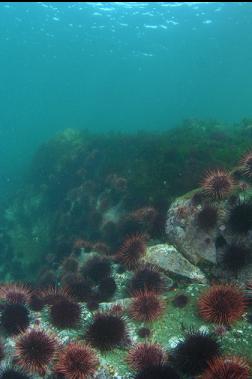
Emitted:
pixel 207 217
pixel 240 218
pixel 106 289
pixel 180 301
pixel 79 288
pixel 144 332
pixel 107 331
pixel 65 313
pixel 192 355
pixel 147 278
pixel 36 302
pixel 13 373
pixel 14 318
pixel 2 354
pixel 97 268
pixel 236 257
pixel 157 372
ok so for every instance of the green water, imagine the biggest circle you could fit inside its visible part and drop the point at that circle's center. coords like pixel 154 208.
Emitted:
pixel 117 66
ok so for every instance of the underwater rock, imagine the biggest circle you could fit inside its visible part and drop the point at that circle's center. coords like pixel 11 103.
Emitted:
pixel 168 259
pixel 194 243
pixel 216 236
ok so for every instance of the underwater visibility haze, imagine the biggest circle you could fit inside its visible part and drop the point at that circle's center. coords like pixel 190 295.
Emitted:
pixel 125 190
pixel 118 66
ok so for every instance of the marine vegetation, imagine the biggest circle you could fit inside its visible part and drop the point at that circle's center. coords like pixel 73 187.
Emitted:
pixel 138 253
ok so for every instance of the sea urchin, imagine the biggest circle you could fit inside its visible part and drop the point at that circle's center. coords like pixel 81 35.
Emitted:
pixel 145 355
pixel 77 361
pixel 147 278
pixel 15 293
pixel 146 306
pixel 236 257
pixel 132 249
pixel 35 349
pixel 217 184
pixel 107 331
pixel 240 218
pixel 14 318
pixel 13 373
pixel 207 217
pixel 97 268
pixel 192 355
pixel 246 162
pixel 227 368
pixel 65 313
pixel 221 304
pixel 180 301
pixel 157 372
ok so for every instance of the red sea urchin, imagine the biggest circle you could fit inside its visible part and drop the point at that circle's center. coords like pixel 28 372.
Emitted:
pixel 222 304
pixel 217 184
pixel 77 361
pixel 146 306
pixel 227 368
pixel 146 354
pixel 15 293
pixel 132 249
pixel 246 163
pixel 35 349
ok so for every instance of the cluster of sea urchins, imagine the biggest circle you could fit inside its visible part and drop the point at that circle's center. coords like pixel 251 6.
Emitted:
pixel 219 183
pixel 41 351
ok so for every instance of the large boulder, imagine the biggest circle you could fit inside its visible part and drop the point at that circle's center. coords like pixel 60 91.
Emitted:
pixel 206 247
pixel 182 231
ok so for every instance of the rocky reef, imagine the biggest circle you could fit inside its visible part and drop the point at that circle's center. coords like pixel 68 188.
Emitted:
pixel 135 254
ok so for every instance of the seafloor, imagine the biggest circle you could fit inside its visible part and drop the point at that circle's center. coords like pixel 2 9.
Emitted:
pixel 130 256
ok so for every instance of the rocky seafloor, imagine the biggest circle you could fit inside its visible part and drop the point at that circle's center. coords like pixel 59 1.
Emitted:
pixel 101 280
